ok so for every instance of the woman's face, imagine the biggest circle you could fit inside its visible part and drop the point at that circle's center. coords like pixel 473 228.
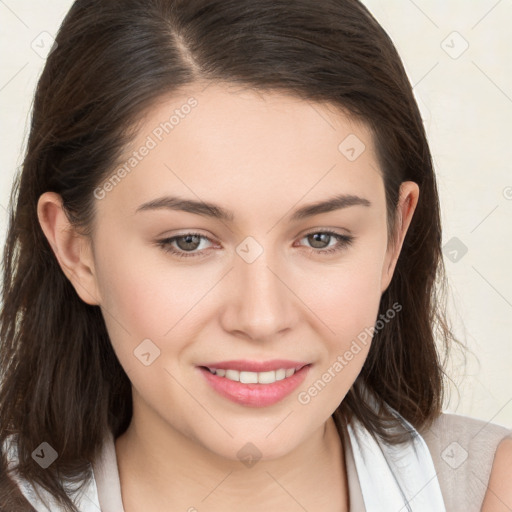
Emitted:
pixel 255 285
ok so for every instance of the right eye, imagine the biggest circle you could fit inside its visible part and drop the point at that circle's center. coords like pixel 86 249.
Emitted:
pixel 189 243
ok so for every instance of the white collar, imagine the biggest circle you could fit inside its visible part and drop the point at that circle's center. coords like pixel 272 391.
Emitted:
pixel 395 477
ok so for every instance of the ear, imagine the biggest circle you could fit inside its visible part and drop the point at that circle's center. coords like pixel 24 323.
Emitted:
pixel 72 250
pixel 407 201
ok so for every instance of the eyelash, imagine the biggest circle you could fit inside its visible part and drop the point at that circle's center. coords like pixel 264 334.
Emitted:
pixel 343 241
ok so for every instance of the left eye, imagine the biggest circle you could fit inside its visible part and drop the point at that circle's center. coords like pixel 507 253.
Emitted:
pixel 188 243
pixel 319 237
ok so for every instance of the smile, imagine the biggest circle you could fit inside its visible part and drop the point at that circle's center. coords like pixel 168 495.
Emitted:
pixel 254 389
pixel 254 377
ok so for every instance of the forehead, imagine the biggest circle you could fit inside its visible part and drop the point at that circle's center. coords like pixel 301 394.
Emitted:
pixel 241 146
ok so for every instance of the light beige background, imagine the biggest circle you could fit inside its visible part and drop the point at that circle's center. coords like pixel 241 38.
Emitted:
pixel 458 56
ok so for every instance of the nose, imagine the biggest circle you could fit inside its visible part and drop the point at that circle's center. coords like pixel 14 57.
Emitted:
pixel 260 303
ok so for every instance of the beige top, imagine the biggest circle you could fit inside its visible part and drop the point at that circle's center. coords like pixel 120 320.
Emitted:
pixel 462 449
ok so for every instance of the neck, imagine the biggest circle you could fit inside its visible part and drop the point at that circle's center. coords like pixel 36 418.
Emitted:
pixel 170 471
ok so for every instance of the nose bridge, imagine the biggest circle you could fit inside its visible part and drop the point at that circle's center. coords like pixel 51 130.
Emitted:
pixel 261 304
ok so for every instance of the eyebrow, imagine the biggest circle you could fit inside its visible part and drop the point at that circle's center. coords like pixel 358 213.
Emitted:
pixel 212 210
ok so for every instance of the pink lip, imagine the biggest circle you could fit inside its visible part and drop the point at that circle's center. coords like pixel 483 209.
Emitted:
pixel 255 395
pixel 256 366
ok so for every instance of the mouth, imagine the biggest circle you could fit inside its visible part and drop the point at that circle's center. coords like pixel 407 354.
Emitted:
pixel 245 365
pixel 249 377
pixel 255 389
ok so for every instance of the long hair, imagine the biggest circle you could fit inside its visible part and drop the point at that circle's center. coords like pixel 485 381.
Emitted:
pixel 61 381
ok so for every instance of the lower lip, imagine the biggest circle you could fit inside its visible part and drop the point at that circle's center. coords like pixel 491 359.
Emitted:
pixel 255 395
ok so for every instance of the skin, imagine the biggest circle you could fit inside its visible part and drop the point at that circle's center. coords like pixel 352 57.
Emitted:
pixel 498 497
pixel 261 156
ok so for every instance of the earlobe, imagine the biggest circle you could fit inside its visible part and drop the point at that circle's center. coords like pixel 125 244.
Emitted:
pixel 407 201
pixel 72 250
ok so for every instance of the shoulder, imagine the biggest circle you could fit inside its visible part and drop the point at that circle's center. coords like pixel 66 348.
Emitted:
pixel 499 491
pixel 463 450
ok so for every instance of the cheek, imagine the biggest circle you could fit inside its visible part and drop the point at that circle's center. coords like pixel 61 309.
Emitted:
pixel 346 307
pixel 142 290
pixel 350 312
pixel 144 298
pixel 345 297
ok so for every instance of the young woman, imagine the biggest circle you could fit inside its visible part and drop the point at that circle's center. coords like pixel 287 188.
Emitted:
pixel 223 270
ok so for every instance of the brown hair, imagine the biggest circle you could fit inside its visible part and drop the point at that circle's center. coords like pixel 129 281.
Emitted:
pixel 61 381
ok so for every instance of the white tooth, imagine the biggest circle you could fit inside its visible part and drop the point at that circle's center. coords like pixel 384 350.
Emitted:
pixel 233 375
pixel 280 374
pixel 267 377
pixel 254 377
pixel 248 377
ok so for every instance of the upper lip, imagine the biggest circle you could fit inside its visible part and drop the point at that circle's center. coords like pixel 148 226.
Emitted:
pixel 256 366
